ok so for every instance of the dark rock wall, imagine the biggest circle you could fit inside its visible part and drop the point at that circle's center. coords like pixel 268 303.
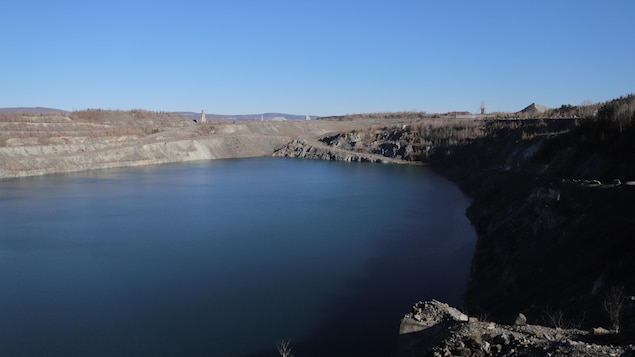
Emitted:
pixel 556 223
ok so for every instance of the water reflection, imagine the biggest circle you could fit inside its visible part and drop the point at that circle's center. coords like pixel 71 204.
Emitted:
pixel 225 257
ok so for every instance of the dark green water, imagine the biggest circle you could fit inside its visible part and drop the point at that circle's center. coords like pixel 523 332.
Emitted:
pixel 226 258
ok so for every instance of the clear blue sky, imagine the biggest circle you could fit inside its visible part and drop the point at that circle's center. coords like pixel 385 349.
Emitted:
pixel 319 57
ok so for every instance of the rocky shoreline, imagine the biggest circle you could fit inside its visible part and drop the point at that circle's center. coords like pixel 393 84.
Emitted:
pixel 435 329
pixel 554 220
pixel 302 149
pixel 33 145
pixel 552 201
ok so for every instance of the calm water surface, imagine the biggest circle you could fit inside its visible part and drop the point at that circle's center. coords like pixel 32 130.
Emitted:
pixel 226 258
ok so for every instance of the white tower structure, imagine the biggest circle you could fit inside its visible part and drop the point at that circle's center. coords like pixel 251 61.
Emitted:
pixel 482 107
pixel 308 117
pixel 203 119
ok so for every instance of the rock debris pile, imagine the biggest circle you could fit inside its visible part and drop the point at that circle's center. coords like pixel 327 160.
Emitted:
pixel 303 149
pixel 436 329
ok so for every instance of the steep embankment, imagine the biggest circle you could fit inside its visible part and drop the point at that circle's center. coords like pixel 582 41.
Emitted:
pixel 49 147
pixel 387 141
pixel 555 221
pixel 95 139
pixel 319 150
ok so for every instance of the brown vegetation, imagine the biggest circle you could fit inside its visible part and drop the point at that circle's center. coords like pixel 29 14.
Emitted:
pixel 78 126
pixel 382 115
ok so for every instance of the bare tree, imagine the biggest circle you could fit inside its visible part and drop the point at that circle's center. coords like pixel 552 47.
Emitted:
pixel 612 304
pixel 284 348
pixel 587 108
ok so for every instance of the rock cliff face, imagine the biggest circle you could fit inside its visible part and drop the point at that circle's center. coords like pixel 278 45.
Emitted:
pixel 549 245
pixel 95 139
pixel 302 149
pixel 37 145
pixel 400 142
pixel 396 143
pixel 555 224
pixel 40 160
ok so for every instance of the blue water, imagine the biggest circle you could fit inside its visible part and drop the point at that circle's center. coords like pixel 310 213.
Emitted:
pixel 226 258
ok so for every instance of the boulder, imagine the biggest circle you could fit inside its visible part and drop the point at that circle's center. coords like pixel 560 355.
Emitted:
pixel 521 320
pixel 427 314
pixel 599 331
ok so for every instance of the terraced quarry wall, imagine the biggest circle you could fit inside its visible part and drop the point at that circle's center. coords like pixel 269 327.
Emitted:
pixel 97 139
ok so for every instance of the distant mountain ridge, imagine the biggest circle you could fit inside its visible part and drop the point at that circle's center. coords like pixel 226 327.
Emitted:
pixel 33 110
pixel 533 108
pixel 189 115
pixel 245 117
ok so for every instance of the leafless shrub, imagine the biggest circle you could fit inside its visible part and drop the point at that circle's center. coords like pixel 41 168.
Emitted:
pixel 483 316
pixel 284 348
pixel 557 319
pixel 612 305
